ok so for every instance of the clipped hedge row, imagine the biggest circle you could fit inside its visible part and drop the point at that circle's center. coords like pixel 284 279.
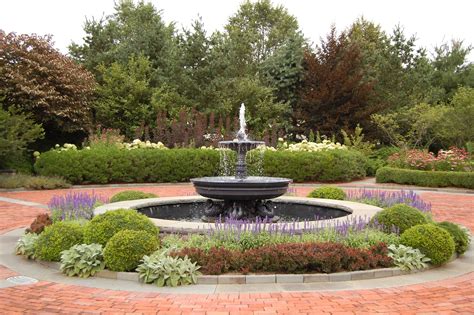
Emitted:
pixel 110 165
pixel 425 178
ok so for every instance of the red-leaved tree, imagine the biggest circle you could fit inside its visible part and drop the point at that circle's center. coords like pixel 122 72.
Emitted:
pixel 38 79
pixel 334 93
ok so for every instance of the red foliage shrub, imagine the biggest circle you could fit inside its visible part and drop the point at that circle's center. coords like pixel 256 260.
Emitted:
pixel 38 225
pixel 290 258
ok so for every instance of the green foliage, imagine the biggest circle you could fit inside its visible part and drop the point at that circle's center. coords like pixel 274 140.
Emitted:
pixel 164 270
pixel 103 227
pixel 456 127
pixel 32 182
pixel 17 130
pixel 425 178
pixel 326 166
pixel 356 141
pixel 412 126
pixel 433 241
pixel 125 249
pixel 131 195
pixel 107 165
pixel 124 97
pixel 58 237
pixel 407 258
pixel 26 245
pixel 399 216
pixel 328 192
pixel 460 236
pixel 82 260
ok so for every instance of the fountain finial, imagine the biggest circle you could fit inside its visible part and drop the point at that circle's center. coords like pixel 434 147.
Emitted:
pixel 241 135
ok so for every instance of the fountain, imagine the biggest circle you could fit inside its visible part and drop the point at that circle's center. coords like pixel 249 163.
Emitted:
pixel 244 197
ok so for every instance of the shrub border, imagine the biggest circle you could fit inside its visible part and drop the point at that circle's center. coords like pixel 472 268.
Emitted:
pixel 425 178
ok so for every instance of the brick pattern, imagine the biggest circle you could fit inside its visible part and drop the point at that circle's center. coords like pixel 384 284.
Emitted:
pixel 451 296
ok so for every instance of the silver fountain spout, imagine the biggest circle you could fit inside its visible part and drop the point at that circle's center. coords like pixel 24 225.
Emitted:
pixel 241 135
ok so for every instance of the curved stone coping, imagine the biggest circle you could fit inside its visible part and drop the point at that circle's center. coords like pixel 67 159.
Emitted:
pixel 266 278
pixel 354 209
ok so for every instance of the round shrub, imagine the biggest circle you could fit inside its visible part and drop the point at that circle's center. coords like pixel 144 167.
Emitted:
pixel 103 227
pixel 131 195
pixel 460 237
pixel 328 192
pixel 433 241
pixel 400 216
pixel 56 238
pixel 126 248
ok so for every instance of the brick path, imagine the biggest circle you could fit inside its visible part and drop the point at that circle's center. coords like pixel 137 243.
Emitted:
pixel 453 296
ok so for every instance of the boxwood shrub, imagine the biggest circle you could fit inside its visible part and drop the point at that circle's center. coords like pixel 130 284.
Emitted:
pixel 103 227
pixel 126 248
pixel 460 236
pixel 113 165
pixel 433 241
pixel 400 216
pixel 58 237
pixel 131 195
pixel 328 192
pixel 425 178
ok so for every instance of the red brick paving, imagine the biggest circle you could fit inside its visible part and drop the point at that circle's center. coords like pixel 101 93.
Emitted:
pixel 453 296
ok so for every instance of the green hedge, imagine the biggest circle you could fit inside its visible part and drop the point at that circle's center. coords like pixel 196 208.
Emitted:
pixel 110 165
pixel 325 166
pixel 425 178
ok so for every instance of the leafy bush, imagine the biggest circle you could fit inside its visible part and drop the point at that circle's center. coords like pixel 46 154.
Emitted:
pixel 164 270
pixel 433 241
pixel 332 165
pixel 32 182
pixel 26 245
pixel 460 236
pixel 111 164
pixel 104 226
pixel 131 195
pixel 82 260
pixel 58 237
pixel 400 216
pixel 289 258
pixel 74 206
pixel 407 258
pixel 41 221
pixel 328 192
pixel 125 249
pixel 425 178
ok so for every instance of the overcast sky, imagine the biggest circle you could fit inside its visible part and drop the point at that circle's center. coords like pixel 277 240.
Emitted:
pixel 433 22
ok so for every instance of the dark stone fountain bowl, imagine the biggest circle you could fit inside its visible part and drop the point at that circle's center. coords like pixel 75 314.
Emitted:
pixel 240 145
pixel 250 188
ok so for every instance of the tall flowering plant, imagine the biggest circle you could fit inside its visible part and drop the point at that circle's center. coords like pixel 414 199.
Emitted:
pixel 74 206
pixel 385 199
pixel 454 159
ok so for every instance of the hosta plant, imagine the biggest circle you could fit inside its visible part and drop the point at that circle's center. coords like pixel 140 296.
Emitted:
pixel 407 258
pixel 83 260
pixel 164 270
pixel 26 245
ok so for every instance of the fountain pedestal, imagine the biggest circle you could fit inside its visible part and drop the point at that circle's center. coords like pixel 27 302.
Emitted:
pixel 244 197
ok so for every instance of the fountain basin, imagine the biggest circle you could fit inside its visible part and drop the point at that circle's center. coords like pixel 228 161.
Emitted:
pixel 250 188
pixel 352 210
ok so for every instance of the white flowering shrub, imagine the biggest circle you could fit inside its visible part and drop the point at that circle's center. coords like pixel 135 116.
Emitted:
pixel 65 147
pixel 138 144
pixel 308 146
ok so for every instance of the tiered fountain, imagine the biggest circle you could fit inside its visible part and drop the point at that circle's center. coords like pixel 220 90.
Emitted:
pixel 245 197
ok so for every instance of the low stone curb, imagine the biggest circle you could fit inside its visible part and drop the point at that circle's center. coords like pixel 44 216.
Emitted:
pixel 267 278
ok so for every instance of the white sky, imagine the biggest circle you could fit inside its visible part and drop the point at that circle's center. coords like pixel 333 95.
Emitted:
pixel 433 22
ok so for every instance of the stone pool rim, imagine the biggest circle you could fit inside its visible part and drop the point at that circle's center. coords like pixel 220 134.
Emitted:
pixel 354 209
